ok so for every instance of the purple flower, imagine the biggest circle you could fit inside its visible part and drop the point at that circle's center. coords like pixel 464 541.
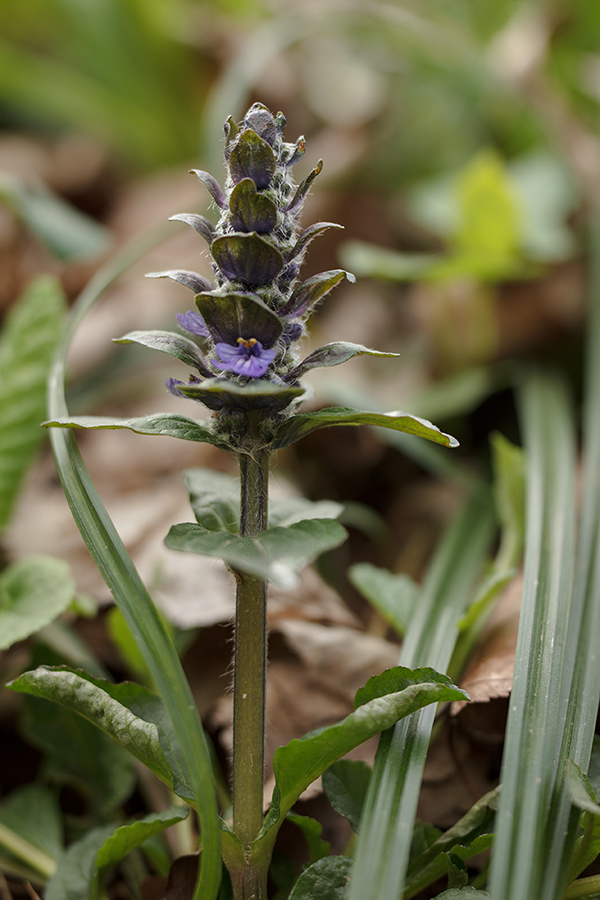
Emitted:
pixel 193 322
pixel 248 358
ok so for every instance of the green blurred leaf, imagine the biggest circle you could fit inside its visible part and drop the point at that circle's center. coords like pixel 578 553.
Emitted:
pixel 393 596
pixel 32 814
pixel 67 233
pixel 76 870
pixel 465 893
pixel 580 789
pixel 299 426
pixel 121 635
pixel 345 784
pixel 327 879
pixel 128 713
pixel 33 592
pixel 27 342
pixel 277 554
pixel 509 496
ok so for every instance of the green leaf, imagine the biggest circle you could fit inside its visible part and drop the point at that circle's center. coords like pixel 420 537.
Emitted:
pixel 398 678
pixel 580 789
pixel 66 232
pixel 509 496
pixel 333 355
pixel 327 879
pixel 33 592
pixel 75 874
pixel 277 554
pixel 168 342
pixel 31 827
pixel 312 831
pixel 309 292
pixel 168 424
pixel 30 332
pixel 465 893
pixel 299 426
pixel 134 834
pixel 252 157
pixel 231 316
pixel 394 596
pixel 128 713
pixel 345 784
pixel 215 499
pixel 301 761
pixel 251 211
pixel 219 393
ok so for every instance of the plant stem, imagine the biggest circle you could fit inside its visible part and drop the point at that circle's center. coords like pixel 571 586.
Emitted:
pixel 250 660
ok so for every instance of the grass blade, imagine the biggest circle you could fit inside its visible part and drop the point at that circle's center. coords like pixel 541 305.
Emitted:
pixel 129 592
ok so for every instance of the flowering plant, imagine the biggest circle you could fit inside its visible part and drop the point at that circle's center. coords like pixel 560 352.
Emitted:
pixel 242 341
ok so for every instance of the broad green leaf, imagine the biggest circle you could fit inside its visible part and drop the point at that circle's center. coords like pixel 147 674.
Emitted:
pixel 394 596
pixel 327 879
pixel 301 761
pixel 277 554
pixel 31 827
pixel 33 592
pixel 169 424
pixel 333 355
pixel 74 878
pixel 215 500
pixel 398 678
pixel 345 784
pixel 251 211
pixel 458 877
pixel 231 316
pixel 299 426
pixel 29 335
pixel 312 831
pixel 65 231
pixel 176 345
pixel 127 837
pixel 580 789
pixel 247 258
pixel 128 713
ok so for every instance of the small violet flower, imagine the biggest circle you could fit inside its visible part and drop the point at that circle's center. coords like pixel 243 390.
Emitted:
pixel 248 358
pixel 193 322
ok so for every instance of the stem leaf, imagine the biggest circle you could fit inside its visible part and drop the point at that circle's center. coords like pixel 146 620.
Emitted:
pixel 169 424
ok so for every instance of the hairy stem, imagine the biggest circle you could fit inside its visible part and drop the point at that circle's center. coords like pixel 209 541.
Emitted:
pixel 250 661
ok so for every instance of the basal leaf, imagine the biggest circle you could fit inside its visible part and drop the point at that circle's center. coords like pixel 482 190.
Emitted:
pixel 176 345
pixel 327 879
pixel 168 424
pixel 394 596
pixel 466 893
pixel 277 554
pixel 333 355
pixel 33 592
pixel 299 426
pixel 30 332
pixel 128 713
pixel 312 831
pixel 345 784
pixel 33 813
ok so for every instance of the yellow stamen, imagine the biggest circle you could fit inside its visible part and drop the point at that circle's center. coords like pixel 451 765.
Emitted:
pixel 247 343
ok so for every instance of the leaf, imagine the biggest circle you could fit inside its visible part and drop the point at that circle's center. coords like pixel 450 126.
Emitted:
pixel 260 393
pixel 308 235
pixel 200 224
pixel 466 893
pixel 251 211
pixel 188 279
pixel 309 292
pixel 134 834
pixel 33 592
pixel 345 784
pixel 509 496
pixel 580 789
pixel 304 187
pixel 231 316
pixel 398 678
pixel 247 258
pixel 76 869
pixel 301 761
pixel 212 186
pixel 394 596
pixel 65 231
pixel 33 814
pixel 169 424
pixel 312 831
pixel 299 426
pixel 277 554
pixel 128 713
pixel 327 879
pixel 176 345
pixel 332 355
pixel 252 157
pixel 29 335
